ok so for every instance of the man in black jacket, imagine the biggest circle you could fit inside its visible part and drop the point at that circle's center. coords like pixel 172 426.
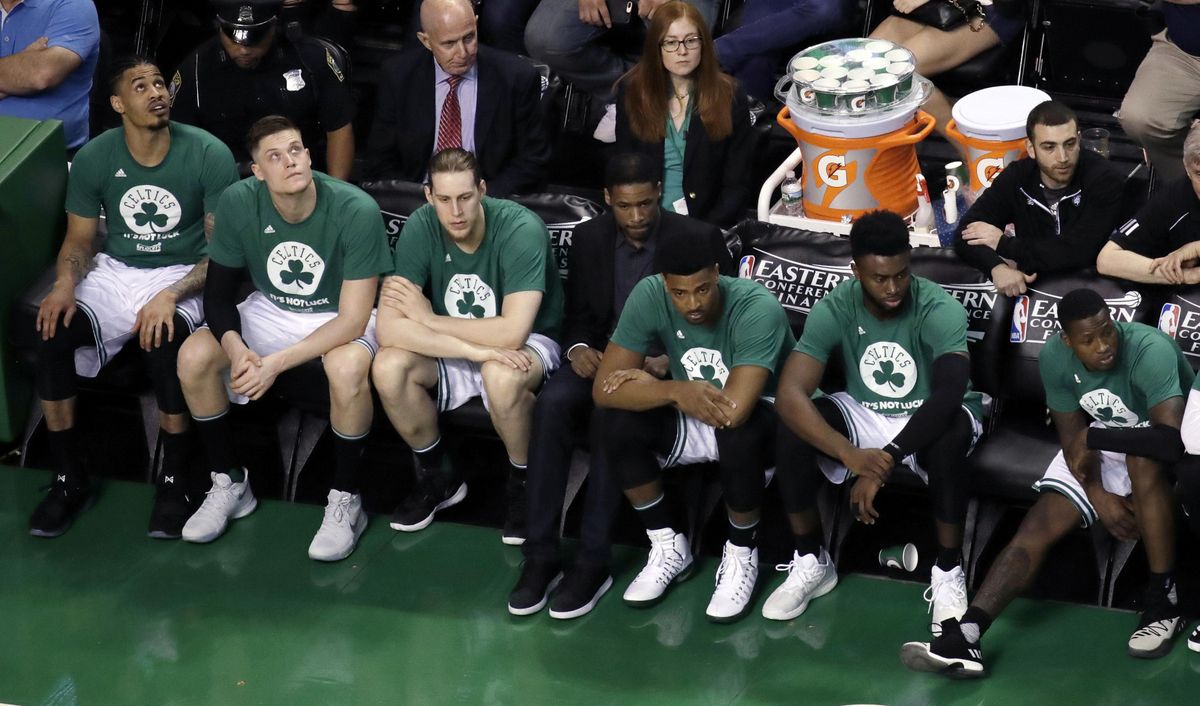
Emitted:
pixel 452 92
pixel 610 254
pixel 1061 203
pixel 1157 245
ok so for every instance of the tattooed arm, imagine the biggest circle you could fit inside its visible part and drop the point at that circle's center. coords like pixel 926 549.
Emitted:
pixel 159 312
pixel 75 258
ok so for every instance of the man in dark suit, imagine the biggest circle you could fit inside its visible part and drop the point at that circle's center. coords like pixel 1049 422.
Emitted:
pixel 610 254
pixel 456 93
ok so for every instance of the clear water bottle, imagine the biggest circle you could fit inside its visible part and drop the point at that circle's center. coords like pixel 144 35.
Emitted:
pixel 791 194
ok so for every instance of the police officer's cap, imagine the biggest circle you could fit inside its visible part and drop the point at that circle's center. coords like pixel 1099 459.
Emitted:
pixel 247 21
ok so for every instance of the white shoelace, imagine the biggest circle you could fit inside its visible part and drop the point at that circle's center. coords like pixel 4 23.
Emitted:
pixel 799 578
pixel 337 513
pixel 218 498
pixel 660 561
pixel 1156 629
pixel 733 575
pixel 934 594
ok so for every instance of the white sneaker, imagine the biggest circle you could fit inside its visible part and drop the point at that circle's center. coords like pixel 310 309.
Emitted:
pixel 606 129
pixel 343 524
pixel 226 500
pixel 735 584
pixel 947 596
pixel 670 561
pixel 808 577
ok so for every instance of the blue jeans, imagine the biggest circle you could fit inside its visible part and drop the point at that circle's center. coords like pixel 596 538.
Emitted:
pixel 572 48
pixel 502 23
pixel 750 52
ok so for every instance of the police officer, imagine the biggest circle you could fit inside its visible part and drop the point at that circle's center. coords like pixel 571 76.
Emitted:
pixel 253 68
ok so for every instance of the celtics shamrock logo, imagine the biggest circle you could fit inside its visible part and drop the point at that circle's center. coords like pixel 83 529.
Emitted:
pixel 705 364
pixel 888 370
pixel 149 210
pixel 1109 409
pixel 150 215
pixel 887 375
pixel 295 268
pixel 468 308
pixel 295 273
pixel 467 296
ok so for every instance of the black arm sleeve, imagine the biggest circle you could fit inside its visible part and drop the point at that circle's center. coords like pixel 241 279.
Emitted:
pixel 1159 442
pixel 951 373
pixel 220 299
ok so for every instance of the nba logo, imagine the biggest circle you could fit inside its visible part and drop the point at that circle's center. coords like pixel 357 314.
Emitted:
pixel 746 267
pixel 1168 319
pixel 1020 320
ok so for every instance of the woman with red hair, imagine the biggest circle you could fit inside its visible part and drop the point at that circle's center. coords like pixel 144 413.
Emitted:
pixel 679 109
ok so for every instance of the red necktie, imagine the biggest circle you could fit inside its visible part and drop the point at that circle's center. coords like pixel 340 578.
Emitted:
pixel 450 125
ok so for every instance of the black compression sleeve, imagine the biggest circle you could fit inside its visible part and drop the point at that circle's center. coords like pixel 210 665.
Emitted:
pixel 951 373
pixel 1159 442
pixel 220 304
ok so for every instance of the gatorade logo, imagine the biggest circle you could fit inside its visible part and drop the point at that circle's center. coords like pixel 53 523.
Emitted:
pixel 831 169
pixel 987 169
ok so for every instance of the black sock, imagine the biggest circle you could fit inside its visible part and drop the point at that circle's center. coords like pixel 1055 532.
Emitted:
pixel 517 472
pixel 975 617
pixel 429 459
pixel 1164 585
pixel 216 435
pixel 947 559
pixel 808 544
pixel 175 461
pixel 348 460
pixel 743 536
pixel 656 515
pixel 67 448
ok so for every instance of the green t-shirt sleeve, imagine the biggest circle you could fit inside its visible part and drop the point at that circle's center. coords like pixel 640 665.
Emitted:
pixel 821 334
pixel 758 333
pixel 85 192
pixel 944 329
pixel 226 247
pixel 1052 366
pixel 217 173
pixel 523 257
pixel 363 239
pixel 414 247
pixel 1155 372
pixel 637 330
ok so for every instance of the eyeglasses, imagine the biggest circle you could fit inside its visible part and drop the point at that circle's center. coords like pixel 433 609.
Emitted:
pixel 672 45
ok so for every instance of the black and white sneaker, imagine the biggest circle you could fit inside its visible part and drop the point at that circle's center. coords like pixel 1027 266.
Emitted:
pixel 1156 630
pixel 580 591
pixel 514 520
pixel 57 511
pixel 432 492
pixel 950 654
pixel 1193 641
pixel 538 579
pixel 172 508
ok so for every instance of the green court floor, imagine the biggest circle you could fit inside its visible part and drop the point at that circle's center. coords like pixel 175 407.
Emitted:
pixel 104 615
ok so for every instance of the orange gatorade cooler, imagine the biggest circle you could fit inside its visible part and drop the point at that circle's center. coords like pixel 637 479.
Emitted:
pixel 854 167
pixel 989 127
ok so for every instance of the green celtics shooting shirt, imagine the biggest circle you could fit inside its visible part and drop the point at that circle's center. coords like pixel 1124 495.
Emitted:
pixel 155 215
pixel 752 330
pixel 300 267
pixel 889 362
pixel 1149 369
pixel 514 256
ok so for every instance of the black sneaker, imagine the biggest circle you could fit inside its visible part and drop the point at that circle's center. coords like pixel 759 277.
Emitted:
pixel 62 504
pixel 514 521
pixel 538 579
pixel 949 654
pixel 1193 641
pixel 580 591
pixel 432 492
pixel 172 508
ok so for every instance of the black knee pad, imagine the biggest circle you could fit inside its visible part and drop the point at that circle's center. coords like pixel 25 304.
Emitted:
pixel 56 358
pixel 161 365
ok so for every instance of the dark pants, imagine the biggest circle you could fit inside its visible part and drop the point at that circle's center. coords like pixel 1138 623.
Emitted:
pixel 635 439
pixel 56 363
pixel 564 408
pixel 800 477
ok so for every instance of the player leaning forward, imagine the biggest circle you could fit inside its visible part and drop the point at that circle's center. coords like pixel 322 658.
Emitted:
pixel 314 247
